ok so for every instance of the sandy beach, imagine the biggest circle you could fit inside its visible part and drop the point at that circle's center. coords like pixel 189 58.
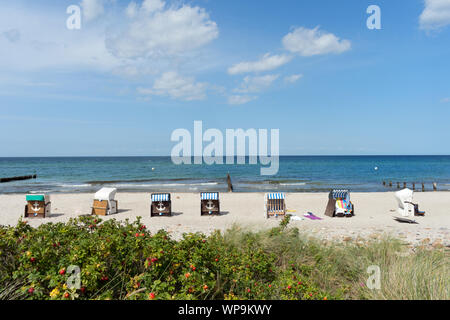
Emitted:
pixel 374 214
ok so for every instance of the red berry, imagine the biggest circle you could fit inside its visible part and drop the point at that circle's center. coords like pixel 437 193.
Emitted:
pixel 217 260
pixel 248 290
pixel 31 290
pixel 66 295
pixel 62 271
pixel 32 259
pixel 205 287
pixel 136 235
pixel 289 287
pixel 83 289
pixel 151 296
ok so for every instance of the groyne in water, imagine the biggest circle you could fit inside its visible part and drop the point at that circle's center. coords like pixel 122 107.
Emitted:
pixel 3 180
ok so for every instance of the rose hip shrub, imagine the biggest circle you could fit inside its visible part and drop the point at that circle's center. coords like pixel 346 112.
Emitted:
pixel 122 260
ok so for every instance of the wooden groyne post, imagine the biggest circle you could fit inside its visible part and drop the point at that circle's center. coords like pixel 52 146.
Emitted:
pixel 390 184
pixel 3 180
pixel 230 185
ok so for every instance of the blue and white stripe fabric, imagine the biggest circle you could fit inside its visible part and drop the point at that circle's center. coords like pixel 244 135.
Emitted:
pixel 160 197
pixel 209 196
pixel 276 196
pixel 340 194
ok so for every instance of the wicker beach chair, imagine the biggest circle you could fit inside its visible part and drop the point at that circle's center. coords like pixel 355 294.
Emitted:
pixel 406 207
pixel 274 205
pixel 161 205
pixel 209 203
pixel 105 203
pixel 339 204
pixel 38 206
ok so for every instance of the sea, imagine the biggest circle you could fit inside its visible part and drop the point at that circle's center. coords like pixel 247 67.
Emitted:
pixel 160 174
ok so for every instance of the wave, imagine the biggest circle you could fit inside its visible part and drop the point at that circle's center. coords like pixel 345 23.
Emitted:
pixel 153 185
pixel 74 185
pixel 279 182
pixel 293 184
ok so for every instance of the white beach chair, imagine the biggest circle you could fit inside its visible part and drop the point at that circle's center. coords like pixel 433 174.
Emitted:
pixel 404 199
pixel 104 202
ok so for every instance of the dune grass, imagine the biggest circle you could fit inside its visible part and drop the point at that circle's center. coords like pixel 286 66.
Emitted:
pixel 342 268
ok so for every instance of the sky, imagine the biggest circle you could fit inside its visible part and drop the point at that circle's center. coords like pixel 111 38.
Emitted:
pixel 137 70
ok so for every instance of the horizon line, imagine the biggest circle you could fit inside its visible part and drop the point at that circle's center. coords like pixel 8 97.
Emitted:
pixel 284 155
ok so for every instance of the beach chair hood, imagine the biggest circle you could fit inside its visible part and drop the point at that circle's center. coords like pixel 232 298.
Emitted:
pixel 106 194
pixel 38 197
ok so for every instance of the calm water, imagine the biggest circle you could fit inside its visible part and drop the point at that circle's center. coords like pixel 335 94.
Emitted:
pixel 296 174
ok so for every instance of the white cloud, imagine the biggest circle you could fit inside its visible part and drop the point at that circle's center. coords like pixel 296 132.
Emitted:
pixel 132 9
pixel 92 9
pixel 238 99
pixel 153 5
pixel 257 84
pixel 310 42
pixel 266 63
pixel 177 87
pixel 435 15
pixel 157 32
pixel 48 46
pixel 293 78
pixel 445 100
pixel 13 35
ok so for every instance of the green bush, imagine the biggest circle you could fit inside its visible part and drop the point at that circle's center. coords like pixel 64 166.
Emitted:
pixel 122 260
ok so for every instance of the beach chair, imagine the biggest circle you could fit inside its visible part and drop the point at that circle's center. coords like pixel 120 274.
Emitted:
pixel 104 202
pixel 406 206
pixel 274 205
pixel 38 206
pixel 339 204
pixel 161 205
pixel 209 203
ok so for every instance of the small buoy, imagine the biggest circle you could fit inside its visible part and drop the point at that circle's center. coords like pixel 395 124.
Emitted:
pixel 376 168
pixel 153 169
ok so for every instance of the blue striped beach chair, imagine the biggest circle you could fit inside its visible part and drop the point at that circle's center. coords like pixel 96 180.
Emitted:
pixel 274 204
pixel 339 204
pixel 161 205
pixel 209 203
pixel 38 206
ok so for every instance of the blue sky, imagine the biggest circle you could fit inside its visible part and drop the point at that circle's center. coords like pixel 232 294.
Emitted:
pixel 136 71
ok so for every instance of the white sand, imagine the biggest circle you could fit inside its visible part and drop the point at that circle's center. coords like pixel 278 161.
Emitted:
pixel 374 214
